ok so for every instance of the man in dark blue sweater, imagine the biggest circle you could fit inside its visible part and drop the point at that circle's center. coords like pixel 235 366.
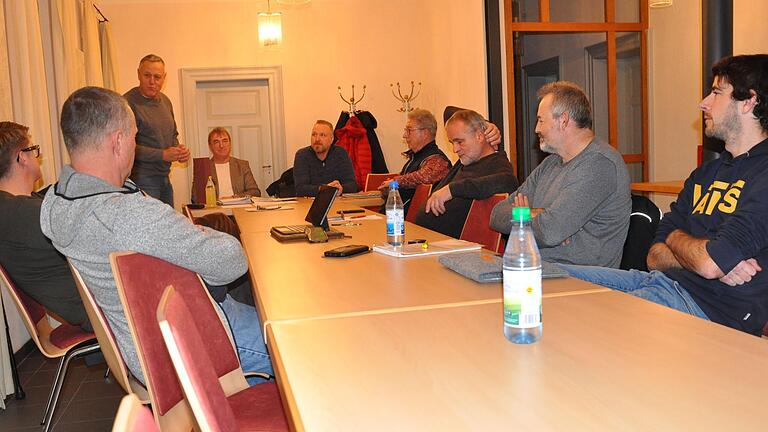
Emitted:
pixel 710 248
pixel 323 163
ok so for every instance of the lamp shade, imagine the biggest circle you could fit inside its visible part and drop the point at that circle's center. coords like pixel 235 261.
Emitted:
pixel 270 28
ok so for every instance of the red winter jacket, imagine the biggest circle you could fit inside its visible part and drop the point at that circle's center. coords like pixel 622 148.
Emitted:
pixel 354 139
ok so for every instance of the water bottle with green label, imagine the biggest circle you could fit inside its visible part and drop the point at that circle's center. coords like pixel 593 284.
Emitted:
pixel 522 281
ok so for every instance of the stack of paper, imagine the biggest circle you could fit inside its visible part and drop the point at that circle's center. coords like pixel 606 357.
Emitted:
pixel 270 200
pixel 233 201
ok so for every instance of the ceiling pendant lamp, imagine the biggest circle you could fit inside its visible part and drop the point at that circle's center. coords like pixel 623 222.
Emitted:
pixel 270 27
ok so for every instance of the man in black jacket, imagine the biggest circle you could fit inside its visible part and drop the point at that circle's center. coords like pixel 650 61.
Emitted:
pixel 481 173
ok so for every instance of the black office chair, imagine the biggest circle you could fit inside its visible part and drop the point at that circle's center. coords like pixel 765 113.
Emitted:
pixel 643 221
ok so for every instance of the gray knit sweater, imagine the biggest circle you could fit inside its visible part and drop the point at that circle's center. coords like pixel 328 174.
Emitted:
pixel 87 219
pixel 156 132
pixel 586 206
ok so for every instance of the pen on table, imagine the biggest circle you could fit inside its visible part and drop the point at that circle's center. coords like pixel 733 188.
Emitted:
pixel 417 241
pixel 356 217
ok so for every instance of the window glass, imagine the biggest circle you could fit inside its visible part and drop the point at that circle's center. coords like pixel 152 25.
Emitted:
pixel 577 11
pixel 548 57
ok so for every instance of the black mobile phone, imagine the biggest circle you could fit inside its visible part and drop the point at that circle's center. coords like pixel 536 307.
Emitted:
pixel 347 251
pixel 343 212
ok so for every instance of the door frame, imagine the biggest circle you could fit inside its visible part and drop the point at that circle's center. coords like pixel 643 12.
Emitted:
pixel 273 75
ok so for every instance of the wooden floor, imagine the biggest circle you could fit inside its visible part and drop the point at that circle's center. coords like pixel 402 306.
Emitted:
pixel 88 402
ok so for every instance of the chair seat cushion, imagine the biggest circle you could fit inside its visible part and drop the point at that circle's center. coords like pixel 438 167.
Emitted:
pixel 258 408
pixel 66 335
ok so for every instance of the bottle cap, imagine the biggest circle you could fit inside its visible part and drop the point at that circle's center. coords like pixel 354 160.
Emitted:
pixel 521 214
pixel 393 184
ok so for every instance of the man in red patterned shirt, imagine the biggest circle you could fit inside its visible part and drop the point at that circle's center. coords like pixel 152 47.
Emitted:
pixel 426 164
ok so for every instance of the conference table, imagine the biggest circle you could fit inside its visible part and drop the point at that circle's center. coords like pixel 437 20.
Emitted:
pixel 293 281
pixel 375 342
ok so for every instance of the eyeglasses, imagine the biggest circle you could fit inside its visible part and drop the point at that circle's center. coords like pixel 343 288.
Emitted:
pixel 409 130
pixel 34 148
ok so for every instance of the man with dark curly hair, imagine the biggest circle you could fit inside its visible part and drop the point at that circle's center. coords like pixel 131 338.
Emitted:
pixel 710 248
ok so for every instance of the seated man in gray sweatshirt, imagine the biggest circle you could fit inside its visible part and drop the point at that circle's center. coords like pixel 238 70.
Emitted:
pixel 580 192
pixel 95 210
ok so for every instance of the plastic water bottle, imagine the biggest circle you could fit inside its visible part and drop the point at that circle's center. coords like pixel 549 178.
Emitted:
pixel 395 216
pixel 210 193
pixel 522 281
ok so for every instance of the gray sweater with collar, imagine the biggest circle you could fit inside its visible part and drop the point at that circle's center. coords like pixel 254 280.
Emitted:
pixel 87 219
pixel 586 204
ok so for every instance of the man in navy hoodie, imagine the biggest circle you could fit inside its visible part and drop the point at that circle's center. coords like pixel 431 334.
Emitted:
pixel 710 249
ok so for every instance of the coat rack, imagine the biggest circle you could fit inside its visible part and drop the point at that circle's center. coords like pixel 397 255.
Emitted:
pixel 352 102
pixel 407 99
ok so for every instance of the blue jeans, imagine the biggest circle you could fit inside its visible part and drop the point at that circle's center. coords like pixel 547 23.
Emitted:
pixel 654 286
pixel 246 329
pixel 158 187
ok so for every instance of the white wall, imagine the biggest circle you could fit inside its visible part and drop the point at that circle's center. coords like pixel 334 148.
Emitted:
pixel 325 44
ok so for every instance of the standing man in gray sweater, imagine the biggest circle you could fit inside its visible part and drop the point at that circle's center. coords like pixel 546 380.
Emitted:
pixel 95 210
pixel 157 140
pixel 580 193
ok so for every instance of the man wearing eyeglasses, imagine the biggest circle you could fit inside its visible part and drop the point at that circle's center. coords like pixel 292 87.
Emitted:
pixel 426 164
pixel 30 259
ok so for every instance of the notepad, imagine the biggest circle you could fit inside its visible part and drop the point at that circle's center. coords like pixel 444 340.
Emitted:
pixel 432 248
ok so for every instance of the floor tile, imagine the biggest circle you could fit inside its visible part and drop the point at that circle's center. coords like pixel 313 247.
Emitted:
pixel 21 416
pixel 94 409
pixel 98 390
pixel 86 426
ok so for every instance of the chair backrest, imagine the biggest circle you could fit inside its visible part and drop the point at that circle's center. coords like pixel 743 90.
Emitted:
pixel 420 195
pixel 477 225
pixel 372 181
pixel 188 213
pixel 33 314
pixel 132 416
pixel 202 170
pixel 106 339
pixel 643 221
pixel 193 366
pixel 141 280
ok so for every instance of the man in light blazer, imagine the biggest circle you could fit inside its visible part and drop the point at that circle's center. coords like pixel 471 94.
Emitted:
pixel 222 166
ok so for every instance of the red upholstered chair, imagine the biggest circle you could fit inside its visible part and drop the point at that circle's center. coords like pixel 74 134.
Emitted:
pixel 106 339
pixel 132 416
pixel 141 280
pixel 477 225
pixel 419 197
pixel 65 341
pixel 201 170
pixel 211 408
pixel 372 181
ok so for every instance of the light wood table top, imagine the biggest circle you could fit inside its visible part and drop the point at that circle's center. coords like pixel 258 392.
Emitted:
pixel 294 281
pixel 664 187
pixel 607 361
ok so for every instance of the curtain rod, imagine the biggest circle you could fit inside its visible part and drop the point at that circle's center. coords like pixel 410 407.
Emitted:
pixel 103 18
